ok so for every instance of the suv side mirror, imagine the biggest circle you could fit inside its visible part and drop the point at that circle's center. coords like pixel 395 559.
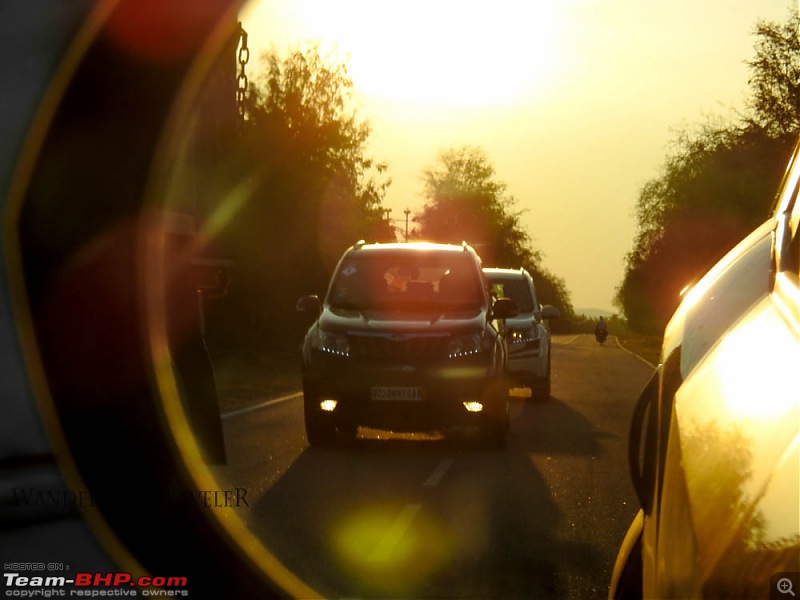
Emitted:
pixel 550 312
pixel 309 305
pixel 504 308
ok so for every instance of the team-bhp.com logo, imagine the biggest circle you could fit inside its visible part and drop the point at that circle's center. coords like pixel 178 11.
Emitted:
pixel 93 585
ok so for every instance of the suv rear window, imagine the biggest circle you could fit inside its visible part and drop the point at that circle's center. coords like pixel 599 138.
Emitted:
pixel 407 281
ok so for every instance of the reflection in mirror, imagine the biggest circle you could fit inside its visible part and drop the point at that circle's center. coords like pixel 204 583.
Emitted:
pixel 267 178
pixel 270 172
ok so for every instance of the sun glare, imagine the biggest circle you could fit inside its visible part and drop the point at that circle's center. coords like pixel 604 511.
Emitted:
pixel 436 53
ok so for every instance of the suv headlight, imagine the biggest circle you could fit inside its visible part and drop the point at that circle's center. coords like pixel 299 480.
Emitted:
pixel 332 343
pixel 464 345
pixel 521 336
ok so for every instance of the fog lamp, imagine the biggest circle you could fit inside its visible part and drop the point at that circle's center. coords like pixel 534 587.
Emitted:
pixel 473 406
pixel 328 405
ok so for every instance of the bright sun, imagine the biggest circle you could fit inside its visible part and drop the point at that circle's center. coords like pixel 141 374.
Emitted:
pixel 431 52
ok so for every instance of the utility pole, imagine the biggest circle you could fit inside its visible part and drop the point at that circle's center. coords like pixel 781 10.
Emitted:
pixel 407 212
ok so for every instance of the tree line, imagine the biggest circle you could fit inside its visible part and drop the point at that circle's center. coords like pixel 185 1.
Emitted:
pixel 311 190
pixel 716 185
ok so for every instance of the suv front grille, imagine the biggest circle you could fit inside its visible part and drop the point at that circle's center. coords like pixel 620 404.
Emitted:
pixel 398 347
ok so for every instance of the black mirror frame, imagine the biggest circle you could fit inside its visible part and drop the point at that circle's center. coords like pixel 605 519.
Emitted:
pixel 108 416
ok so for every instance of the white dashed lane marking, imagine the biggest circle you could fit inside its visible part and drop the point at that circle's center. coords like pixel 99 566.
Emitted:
pixel 385 547
pixel 392 537
pixel 439 473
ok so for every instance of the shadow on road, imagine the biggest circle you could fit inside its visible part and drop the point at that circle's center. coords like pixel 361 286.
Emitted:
pixel 364 520
pixel 553 427
pixel 430 516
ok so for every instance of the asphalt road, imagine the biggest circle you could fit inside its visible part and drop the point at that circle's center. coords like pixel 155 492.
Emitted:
pixel 428 517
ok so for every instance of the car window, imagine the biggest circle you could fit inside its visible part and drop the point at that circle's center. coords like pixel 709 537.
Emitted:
pixel 789 252
pixel 517 290
pixel 792 262
pixel 406 281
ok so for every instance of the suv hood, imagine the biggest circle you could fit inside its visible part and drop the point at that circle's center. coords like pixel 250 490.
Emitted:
pixel 380 321
pixel 521 321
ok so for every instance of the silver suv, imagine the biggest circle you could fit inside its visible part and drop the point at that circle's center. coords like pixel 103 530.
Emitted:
pixel 528 336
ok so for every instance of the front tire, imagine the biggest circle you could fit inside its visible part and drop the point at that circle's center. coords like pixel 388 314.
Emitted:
pixel 319 433
pixel 494 431
pixel 542 386
pixel 494 436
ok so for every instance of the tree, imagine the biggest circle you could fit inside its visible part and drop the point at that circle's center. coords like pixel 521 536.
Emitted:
pixel 465 202
pixel 716 185
pixel 310 189
pixel 775 103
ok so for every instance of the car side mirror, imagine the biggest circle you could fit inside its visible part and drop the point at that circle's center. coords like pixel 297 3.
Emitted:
pixel 309 305
pixel 550 312
pixel 504 308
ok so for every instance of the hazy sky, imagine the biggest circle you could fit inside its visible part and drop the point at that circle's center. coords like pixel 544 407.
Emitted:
pixel 574 102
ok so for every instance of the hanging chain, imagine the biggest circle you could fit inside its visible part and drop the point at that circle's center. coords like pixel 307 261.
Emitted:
pixel 241 78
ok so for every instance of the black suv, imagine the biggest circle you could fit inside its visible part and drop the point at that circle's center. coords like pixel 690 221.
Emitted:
pixel 407 339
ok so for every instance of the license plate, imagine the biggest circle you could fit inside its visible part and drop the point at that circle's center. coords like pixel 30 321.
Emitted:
pixel 400 394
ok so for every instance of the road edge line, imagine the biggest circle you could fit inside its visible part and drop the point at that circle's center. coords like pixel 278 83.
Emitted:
pixel 632 353
pixel 240 411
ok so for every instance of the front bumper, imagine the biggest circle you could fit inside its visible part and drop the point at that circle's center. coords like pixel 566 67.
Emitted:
pixel 528 358
pixel 376 394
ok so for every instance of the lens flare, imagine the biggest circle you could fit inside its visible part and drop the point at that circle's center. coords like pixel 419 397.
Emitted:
pixel 391 550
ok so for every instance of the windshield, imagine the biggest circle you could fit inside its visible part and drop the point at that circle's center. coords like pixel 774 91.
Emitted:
pixel 516 289
pixel 407 281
